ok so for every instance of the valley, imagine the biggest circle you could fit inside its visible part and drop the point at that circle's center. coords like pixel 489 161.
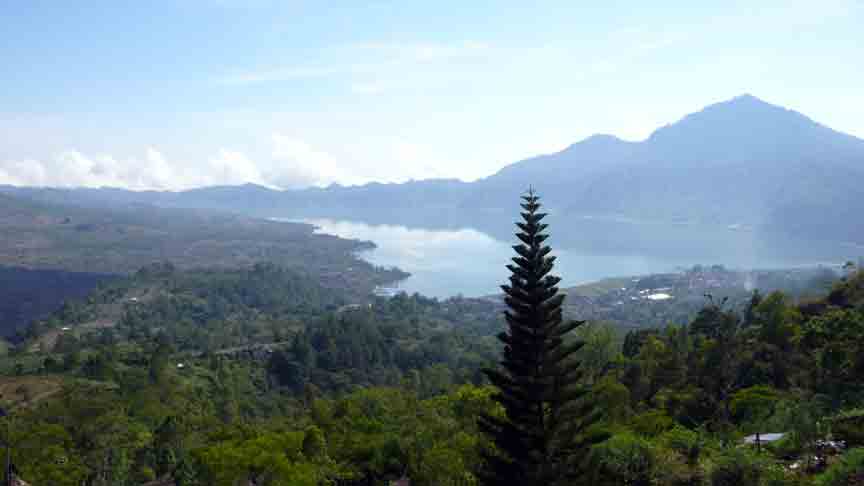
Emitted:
pixel 243 334
pixel 558 243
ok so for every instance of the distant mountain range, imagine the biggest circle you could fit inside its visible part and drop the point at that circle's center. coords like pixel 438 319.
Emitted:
pixel 739 162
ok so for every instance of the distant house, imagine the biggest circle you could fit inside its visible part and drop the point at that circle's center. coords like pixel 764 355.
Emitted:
pixel 764 438
pixel 348 307
pixel 658 296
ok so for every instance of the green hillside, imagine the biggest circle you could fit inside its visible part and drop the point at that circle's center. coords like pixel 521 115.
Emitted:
pixel 269 374
pixel 217 375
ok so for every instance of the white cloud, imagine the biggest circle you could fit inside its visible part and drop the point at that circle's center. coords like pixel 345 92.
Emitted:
pixel 72 168
pixel 294 164
pixel 421 162
pixel 278 160
pixel 233 167
pixel 298 164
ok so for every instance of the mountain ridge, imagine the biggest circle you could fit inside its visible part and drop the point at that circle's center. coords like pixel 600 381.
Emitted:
pixel 742 160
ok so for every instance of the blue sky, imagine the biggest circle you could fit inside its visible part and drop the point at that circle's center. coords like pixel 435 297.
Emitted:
pixel 185 93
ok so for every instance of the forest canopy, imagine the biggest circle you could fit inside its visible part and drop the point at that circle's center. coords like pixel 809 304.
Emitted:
pixel 263 374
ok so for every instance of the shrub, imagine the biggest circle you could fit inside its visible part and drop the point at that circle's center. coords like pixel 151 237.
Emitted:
pixel 737 467
pixel 849 427
pixel 689 444
pixel 652 423
pixel 848 471
pixel 624 459
pixel 670 469
pixel 679 457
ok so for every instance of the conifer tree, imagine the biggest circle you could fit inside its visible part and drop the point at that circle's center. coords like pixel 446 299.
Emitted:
pixel 543 435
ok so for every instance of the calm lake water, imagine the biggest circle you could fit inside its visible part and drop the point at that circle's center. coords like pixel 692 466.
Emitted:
pixel 471 262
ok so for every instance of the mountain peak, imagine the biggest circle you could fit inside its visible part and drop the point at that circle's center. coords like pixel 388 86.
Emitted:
pixel 601 138
pixel 744 116
pixel 746 129
pixel 595 141
pixel 747 98
pixel 748 102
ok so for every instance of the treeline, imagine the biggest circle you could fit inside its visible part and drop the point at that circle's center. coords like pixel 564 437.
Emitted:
pixel 263 375
pixel 198 436
pixel 136 409
pixel 192 307
pixel 362 349
pixel 810 353
pixel 283 322
pixel 676 403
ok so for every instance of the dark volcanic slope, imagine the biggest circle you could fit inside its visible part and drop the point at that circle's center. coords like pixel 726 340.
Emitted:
pixel 27 294
pixel 50 252
pixel 47 236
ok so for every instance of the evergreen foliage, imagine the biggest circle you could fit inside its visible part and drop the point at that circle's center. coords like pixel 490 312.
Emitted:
pixel 543 430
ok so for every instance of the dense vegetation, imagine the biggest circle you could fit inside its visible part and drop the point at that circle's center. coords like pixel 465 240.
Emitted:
pixel 262 375
pixel 287 324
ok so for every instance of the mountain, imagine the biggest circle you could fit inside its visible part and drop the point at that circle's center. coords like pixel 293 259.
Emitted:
pixel 735 161
pixel 739 162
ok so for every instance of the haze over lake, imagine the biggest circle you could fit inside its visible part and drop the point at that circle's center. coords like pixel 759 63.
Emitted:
pixel 444 262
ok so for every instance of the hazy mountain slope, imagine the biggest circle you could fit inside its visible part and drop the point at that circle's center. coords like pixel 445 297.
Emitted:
pixel 557 175
pixel 747 130
pixel 736 160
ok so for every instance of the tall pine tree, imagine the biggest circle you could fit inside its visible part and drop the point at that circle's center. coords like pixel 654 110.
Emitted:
pixel 543 435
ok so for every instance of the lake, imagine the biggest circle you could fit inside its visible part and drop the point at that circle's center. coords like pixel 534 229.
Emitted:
pixel 444 262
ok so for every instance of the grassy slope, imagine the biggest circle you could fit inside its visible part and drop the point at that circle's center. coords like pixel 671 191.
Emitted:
pixel 18 391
